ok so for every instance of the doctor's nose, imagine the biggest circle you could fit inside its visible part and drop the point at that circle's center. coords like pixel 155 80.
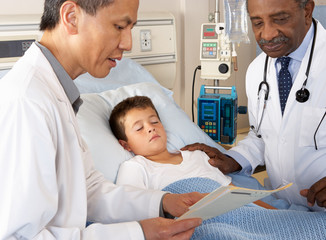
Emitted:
pixel 269 32
pixel 126 40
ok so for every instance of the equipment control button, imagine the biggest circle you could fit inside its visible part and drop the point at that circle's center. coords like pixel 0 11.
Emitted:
pixel 223 68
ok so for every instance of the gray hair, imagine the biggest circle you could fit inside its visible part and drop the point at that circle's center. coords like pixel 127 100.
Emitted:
pixel 301 3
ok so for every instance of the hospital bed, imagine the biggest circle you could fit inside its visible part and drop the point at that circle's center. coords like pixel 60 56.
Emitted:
pixel 130 79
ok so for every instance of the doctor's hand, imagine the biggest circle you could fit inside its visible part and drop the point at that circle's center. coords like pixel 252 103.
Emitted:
pixel 178 204
pixel 217 159
pixel 316 193
pixel 162 228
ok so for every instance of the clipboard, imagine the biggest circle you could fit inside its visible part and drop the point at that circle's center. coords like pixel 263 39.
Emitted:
pixel 224 199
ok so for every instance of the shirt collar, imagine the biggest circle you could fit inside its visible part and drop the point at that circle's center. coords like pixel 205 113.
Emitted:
pixel 65 80
pixel 300 52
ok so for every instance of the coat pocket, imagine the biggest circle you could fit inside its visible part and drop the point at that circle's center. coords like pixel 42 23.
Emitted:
pixel 313 127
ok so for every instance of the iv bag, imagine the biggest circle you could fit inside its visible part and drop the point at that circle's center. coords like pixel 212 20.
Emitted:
pixel 236 20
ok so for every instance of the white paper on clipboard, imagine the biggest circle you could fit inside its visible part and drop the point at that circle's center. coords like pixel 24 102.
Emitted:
pixel 224 199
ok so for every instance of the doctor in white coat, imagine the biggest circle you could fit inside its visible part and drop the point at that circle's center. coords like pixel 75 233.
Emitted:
pixel 48 185
pixel 292 145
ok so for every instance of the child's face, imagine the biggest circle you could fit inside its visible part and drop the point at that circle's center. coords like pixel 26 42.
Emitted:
pixel 145 133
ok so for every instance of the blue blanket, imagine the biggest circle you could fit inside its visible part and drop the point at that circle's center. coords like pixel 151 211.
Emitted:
pixel 249 222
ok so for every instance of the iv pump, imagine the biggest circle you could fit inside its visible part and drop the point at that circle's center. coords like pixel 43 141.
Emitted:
pixel 217 113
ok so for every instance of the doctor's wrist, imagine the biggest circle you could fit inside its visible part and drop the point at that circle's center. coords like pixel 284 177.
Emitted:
pixel 163 213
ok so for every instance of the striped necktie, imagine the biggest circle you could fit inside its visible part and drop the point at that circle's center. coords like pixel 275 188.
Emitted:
pixel 284 81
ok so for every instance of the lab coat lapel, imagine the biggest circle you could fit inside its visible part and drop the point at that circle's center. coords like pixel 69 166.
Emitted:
pixel 56 87
pixel 297 85
pixel 275 118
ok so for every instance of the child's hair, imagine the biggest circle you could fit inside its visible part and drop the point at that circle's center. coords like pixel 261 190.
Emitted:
pixel 117 118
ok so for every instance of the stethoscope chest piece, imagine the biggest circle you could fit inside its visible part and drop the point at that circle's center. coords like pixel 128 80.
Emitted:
pixel 302 95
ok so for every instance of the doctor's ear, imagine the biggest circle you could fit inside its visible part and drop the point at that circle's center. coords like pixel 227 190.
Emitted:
pixel 69 15
pixel 125 145
pixel 309 8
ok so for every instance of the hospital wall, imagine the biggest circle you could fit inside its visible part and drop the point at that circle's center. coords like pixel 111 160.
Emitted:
pixel 189 15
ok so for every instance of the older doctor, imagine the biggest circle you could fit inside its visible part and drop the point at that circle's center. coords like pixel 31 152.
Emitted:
pixel 48 185
pixel 289 134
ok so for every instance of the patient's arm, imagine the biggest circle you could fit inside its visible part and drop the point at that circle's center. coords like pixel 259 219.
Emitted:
pixel 132 173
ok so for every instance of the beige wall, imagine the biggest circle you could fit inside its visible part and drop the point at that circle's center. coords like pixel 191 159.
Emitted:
pixel 177 8
pixel 320 2
pixel 21 7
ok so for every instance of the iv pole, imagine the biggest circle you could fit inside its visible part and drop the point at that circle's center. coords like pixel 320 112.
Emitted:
pixel 216 20
pixel 217 12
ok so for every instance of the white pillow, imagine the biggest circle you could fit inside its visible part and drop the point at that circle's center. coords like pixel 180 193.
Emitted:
pixel 125 73
pixel 106 151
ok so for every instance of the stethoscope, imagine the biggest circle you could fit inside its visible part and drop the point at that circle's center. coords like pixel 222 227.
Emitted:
pixel 302 95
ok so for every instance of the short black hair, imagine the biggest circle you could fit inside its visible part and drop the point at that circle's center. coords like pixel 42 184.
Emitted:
pixel 51 13
pixel 302 3
pixel 117 118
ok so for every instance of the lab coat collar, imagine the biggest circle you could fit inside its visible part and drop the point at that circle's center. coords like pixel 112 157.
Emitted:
pixel 65 80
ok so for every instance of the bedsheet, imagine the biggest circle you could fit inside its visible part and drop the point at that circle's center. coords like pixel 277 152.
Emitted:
pixel 242 180
pixel 251 221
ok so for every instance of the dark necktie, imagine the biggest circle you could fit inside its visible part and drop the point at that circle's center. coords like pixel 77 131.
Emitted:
pixel 284 81
pixel 77 104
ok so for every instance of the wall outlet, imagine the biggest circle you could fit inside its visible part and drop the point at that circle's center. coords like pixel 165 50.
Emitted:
pixel 145 40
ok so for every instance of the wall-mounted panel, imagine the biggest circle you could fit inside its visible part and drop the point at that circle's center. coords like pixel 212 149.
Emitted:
pixel 154 46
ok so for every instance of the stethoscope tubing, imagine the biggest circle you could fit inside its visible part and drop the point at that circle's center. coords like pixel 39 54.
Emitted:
pixel 265 83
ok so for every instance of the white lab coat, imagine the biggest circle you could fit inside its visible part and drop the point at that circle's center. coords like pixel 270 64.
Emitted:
pixel 287 144
pixel 48 186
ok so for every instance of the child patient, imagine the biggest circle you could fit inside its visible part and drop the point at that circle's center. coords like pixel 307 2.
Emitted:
pixel 137 126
